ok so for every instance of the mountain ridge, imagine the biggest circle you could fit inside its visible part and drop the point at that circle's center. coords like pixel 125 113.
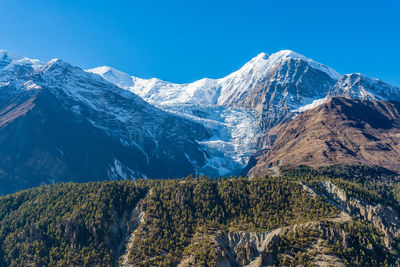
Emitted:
pixel 340 131
pixel 222 122
pixel 59 123
pixel 276 87
pixel 256 66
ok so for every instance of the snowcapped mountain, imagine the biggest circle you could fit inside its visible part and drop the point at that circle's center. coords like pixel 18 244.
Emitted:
pixel 68 124
pixel 158 92
pixel 60 123
pixel 224 91
pixel 239 108
pixel 358 86
pixel 272 85
pixel 253 75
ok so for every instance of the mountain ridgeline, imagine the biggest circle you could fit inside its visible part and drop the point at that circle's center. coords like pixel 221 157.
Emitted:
pixel 61 123
pixel 340 131
pixel 318 152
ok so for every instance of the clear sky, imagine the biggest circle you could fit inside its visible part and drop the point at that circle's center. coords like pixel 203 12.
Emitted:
pixel 182 41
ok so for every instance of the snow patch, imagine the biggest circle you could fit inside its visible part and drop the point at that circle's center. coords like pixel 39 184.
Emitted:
pixel 314 104
pixel 117 172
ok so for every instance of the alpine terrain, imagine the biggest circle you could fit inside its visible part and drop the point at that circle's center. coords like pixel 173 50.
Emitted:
pixel 61 123
pixel 312 157
pixel 246 110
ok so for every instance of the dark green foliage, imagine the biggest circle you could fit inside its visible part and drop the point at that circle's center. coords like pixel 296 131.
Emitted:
pixel 80 224
pixel 396 193
pixel 178 209
pixel 64 224
pixel 202 249
pixel 373 184
pixel 354 243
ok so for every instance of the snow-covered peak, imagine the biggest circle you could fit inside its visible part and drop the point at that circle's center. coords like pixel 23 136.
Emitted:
pixel 102 70
pixel 56 62
pixel 262 57
pixel 265 61
pixel 359 86
pixel 285 54
pixel 207 91
pixel 14 67
pixel 10 60
pixel 114 76
pixel 55 66
pixel 236 85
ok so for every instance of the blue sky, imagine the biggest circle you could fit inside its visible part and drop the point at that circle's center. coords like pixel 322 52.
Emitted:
pixel 182 41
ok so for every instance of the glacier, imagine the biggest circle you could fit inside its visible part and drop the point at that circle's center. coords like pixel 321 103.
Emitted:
pixel 236 110
pixel 235 130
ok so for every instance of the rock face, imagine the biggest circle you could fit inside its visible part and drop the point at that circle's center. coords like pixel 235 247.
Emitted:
pixel 288 83
pixel 255 249
pixel 358 86
pixel 245 109
pixel 60 123
pixel 245 248
pixel 340 131
pixel 239 107
pixel 384 218
pixel 211 126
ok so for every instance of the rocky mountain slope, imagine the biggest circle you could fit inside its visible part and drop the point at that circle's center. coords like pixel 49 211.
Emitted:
pixel 60 123
pixel 340 131
pixel 230 89
pixel 237 108
pixel 65 122
pixel 358 86
pixel 273 85
pixel 241 107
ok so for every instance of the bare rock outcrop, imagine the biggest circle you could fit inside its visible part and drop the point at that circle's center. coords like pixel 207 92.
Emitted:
pixel 385 218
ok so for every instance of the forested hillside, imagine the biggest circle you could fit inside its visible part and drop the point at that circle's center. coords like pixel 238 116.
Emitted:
pixel 300 218
pixel 65 224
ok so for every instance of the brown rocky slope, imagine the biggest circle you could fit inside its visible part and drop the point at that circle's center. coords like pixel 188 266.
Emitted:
pixel 340 131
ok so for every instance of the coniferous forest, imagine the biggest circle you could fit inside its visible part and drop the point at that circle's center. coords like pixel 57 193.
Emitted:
pixel 200 221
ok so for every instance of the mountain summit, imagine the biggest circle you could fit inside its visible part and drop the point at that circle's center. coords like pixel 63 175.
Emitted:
pixel 209 91
pixel 69 124
pixel 267 90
